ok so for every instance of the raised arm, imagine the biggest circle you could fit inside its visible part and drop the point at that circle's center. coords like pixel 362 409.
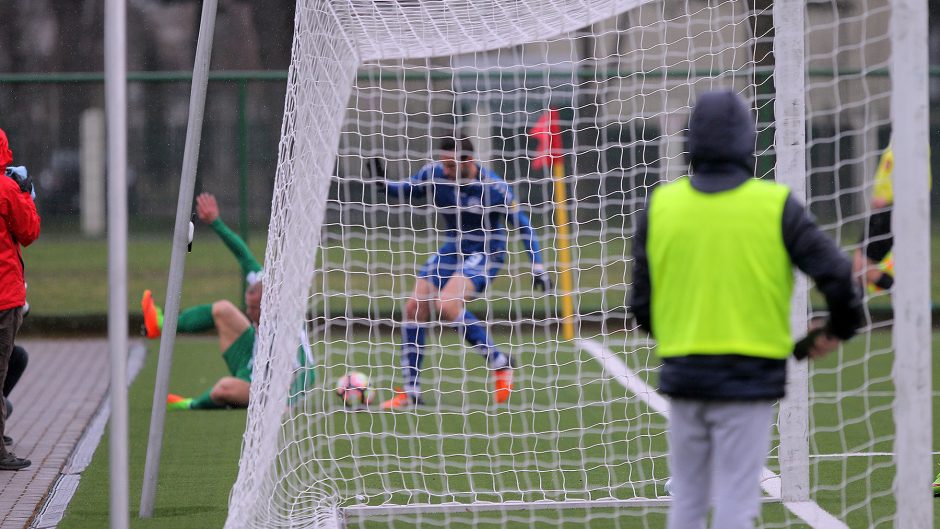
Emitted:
pixel 414 187
pixel 208 212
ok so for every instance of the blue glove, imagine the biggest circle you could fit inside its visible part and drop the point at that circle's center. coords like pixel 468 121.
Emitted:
pixel 21 177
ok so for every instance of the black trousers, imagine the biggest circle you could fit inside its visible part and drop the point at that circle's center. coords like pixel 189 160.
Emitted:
pixel 18 361
pixel 879 240
pixel 10 321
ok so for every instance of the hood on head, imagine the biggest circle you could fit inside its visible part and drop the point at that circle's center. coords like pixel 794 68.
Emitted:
pixel 722 130
pixel 6 155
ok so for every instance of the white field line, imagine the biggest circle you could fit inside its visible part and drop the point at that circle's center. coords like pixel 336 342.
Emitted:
pixel 810 512
pixel 857 454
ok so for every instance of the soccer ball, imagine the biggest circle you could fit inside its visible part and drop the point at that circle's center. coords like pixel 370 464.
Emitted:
pixel 353 388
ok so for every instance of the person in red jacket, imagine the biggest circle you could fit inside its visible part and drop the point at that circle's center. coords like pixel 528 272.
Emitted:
pixel 19 227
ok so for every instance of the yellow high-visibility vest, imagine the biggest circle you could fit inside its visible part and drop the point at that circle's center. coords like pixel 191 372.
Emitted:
pixel 720 274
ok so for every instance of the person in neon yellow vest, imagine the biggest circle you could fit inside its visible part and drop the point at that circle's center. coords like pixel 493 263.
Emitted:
pixel 874 260
pixel 712 282
pixel 873 263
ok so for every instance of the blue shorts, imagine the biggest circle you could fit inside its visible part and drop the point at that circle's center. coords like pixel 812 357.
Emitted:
pixel 479 267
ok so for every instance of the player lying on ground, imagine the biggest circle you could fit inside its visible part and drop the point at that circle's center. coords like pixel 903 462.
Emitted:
pixel 476 205
pixel 236 329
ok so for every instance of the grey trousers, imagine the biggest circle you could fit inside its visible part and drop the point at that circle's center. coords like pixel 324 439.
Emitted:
pixel 10 321
pixel 716 452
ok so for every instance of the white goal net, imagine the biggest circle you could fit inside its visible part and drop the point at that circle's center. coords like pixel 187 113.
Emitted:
pixel 581 439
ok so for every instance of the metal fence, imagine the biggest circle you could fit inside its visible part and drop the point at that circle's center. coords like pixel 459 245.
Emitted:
pixel 42 115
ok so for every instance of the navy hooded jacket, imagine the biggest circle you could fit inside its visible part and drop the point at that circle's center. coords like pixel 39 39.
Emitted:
pixel 721 150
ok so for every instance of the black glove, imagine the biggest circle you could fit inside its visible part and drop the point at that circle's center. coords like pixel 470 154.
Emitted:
pixel 376 169
pixel 540 279
pixel 26 185
pixel 885 282
pixel 22 178
pixel 802 348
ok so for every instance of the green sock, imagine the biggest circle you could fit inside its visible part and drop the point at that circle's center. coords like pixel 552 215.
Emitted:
pixel 205 402
pixel 180 405
pixel 196 319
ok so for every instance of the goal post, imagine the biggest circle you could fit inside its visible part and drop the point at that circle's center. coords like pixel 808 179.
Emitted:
pixel 790 169
pixel 581 440
pixel 911 225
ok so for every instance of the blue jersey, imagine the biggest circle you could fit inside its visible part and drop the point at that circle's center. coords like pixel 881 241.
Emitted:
pixel 476 212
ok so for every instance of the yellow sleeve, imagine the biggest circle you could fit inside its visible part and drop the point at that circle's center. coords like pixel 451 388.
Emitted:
pixel 883 177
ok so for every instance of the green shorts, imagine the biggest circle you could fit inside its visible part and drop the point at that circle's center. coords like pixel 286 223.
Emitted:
pixel 239 357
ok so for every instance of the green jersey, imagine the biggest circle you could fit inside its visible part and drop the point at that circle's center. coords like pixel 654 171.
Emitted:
pixel 303 367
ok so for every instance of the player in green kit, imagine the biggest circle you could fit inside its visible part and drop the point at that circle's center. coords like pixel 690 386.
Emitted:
pixel 235 329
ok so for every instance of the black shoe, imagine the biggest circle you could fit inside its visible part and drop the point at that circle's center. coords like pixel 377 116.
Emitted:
pixel 7 440
pixel 11 462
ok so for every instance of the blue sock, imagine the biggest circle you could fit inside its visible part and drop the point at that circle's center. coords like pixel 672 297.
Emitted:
pixel 412 354
pixel 474 331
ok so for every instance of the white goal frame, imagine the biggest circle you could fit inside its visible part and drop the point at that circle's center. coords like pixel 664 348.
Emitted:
pixel 346 34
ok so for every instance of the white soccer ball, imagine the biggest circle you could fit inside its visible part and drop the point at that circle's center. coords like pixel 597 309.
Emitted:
pixel 668 487
pixel 353 388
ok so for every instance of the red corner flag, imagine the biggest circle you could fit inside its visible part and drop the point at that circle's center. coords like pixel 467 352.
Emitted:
pixel 548 134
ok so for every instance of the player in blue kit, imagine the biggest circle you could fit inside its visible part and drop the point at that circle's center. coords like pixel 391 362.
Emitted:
pixel 476 206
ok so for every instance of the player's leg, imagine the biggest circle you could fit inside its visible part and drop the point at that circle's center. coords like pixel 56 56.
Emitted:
pixel 228 392
pixel 460 288
pixel 231 391
pixel 237 353
pixel 690 453
pixel 414 319
pixel 192 319
pixel 153 316
pixel 740 441
pixel 230 322
pixel 452 307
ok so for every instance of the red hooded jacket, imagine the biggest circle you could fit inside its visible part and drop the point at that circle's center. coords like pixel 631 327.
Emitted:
pixel 19 226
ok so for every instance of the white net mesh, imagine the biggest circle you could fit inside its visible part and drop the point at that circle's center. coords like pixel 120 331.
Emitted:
pixel 583 432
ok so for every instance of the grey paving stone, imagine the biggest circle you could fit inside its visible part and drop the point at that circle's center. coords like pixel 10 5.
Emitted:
pixel 59 393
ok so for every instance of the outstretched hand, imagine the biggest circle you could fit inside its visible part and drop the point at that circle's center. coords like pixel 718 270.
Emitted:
pixel 540 279
pixel 816 344
pixel 206 208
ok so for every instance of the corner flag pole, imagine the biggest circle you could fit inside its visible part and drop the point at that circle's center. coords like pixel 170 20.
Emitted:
pixel 197 103
pixel 548 133
pixel 564 247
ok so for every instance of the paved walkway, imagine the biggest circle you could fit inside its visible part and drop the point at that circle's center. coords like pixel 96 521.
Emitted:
pixel 61 390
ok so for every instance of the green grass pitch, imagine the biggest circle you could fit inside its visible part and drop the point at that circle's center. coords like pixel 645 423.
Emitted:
pixel 426 451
